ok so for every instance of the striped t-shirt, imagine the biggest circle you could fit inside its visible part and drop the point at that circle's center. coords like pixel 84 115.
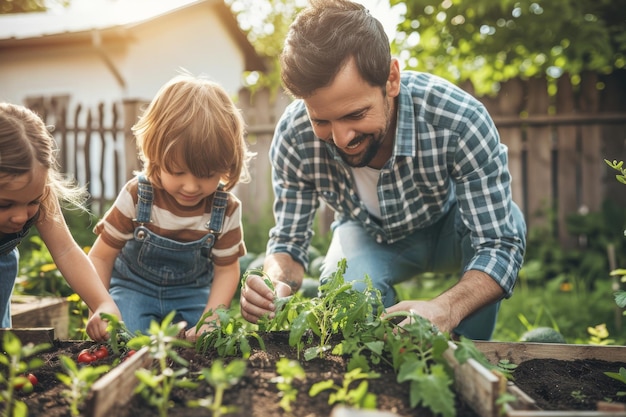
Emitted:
pixel 173 221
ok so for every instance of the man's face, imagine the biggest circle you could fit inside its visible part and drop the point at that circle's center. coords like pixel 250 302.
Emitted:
pixel 351 115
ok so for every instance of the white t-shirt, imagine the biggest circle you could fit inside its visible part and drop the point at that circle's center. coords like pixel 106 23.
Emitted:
pixel 366 179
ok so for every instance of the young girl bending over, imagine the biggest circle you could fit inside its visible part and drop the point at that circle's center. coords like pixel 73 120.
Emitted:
pixel 173 238
pixel 30 189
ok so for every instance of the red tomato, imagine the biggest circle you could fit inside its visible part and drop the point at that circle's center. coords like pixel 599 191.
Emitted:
pixel 28 385
pixel 129 354
pixel 101 353
pixel 85 356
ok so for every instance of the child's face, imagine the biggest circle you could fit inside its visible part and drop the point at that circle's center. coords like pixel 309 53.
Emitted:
pixel 20 198
pixel 186 188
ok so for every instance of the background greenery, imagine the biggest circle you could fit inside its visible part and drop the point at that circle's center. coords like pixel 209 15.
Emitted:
pixel 486 42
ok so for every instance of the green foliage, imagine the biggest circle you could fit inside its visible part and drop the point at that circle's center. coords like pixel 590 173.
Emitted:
pixel 489 42
pixel 358 397
pixel 620 376
pixel 155 385
pixel 221 378
pixel 15 363
pixel 619 167
pixel 78 381
pixel 288 371
pixel 230 335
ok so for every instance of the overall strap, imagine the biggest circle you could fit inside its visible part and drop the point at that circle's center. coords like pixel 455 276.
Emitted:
pixel 144 200
pixel 218 210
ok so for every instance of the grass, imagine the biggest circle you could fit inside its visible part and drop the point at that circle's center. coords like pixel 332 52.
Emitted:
pixel 562 307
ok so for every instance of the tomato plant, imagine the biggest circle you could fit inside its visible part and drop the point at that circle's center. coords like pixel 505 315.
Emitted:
pixel 101 352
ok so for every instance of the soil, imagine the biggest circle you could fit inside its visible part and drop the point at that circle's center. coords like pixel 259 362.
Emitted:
pixel 555 385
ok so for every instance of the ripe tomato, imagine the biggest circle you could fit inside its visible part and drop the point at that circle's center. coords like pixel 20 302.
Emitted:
pixel 101 353
pixel 27 386
pixel 130 353
pixel 85 356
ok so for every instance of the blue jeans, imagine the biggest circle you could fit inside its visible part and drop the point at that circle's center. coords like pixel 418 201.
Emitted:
pixel 442 247
pixel 8 272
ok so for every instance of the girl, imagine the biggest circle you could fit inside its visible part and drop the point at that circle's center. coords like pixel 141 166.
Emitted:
pixel 30 188
pixel 173 238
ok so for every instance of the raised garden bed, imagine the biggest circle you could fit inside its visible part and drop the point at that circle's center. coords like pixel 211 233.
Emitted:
pixel 555 380
pixel 28 311
pixel 257 394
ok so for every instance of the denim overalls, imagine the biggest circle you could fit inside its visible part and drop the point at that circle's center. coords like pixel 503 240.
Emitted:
pixel 9 263
pixel 154 275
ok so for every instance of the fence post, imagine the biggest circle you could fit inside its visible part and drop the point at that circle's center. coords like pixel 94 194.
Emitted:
pixel 132 163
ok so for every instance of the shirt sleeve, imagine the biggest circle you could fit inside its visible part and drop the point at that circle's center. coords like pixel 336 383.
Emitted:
pixel 295 197
pixel 116 226
pixel 484 197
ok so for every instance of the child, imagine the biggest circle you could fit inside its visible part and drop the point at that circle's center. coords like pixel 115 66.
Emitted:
pixel 30 188
pixel 173 238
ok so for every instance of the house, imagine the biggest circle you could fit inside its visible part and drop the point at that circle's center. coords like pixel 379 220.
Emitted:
pixel 98 54
pixel 111 50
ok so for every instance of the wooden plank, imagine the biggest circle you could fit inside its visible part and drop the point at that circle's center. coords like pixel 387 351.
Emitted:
pixel 518 352
pixel 478 387
pixel 29 311
pixel 116 387
pixel 35 336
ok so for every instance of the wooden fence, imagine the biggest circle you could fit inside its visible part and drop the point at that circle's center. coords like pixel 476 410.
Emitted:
pixel 557 145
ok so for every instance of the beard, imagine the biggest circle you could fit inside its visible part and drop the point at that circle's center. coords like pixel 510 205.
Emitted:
pixel 373 142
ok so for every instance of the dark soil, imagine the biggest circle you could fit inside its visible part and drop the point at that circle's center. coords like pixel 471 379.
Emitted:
pixel 555 385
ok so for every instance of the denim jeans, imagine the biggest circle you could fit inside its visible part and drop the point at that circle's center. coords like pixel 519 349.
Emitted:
pixel 8 272
pixel 442 247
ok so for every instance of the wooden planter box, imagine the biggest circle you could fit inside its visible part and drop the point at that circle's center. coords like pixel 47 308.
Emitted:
pixel 518 352
pixel 29 311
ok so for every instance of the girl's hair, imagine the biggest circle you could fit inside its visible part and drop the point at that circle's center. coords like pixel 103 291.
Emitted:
pixel 321 40
pixel 193 120
pixel 26 141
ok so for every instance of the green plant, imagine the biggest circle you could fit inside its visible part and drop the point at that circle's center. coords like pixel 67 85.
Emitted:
pixel 358 397
pixel 230 336
pixel 288 371
pixel 155 385
pixel 78 381
pixel 221 378
pixel 119 335
pixel 619 167
pixel 620 376
pixel 14 369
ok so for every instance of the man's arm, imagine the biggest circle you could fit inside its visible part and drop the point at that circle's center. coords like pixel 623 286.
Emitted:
pixel 474 291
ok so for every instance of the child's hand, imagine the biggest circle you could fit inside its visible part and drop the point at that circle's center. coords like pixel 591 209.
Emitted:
pixel 192 335
pixel 96 327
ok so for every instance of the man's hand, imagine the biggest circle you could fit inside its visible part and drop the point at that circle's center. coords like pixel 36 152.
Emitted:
pixel 430 310
pixel 257 298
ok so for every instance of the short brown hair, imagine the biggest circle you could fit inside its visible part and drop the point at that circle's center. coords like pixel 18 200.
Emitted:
pixel 193 118
pixel 323 37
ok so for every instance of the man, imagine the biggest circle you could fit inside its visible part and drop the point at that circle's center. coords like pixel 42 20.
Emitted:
pixel 412 166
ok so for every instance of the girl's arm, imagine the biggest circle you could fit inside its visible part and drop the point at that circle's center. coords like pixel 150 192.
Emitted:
pixel 78 271
pixel 225 282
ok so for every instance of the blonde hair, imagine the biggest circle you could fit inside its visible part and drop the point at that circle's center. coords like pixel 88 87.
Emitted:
pixel 194 120
pixel 26 141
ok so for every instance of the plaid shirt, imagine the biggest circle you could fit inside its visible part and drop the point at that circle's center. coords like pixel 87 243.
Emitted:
pixel 446 149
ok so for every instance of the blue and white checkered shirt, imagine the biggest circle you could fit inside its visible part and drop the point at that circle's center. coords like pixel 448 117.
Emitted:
pixel 447 149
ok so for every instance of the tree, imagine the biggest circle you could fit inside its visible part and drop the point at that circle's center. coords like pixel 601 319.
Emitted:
pixel 488 42
pixel 25 6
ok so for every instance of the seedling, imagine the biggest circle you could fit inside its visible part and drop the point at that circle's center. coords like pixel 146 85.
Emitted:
pixel 288 371
pixel 358 397
pixel 15 372
pixel 230 337
pixel 119 334
pixel 156 385
pixel 620 376
pixel 78 381
pixel 221 378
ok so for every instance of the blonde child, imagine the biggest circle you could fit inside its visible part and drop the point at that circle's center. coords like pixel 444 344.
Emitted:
pixel 30 189
pixel 173 238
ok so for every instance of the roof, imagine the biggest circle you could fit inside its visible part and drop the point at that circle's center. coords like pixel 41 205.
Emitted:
pixel 113 19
